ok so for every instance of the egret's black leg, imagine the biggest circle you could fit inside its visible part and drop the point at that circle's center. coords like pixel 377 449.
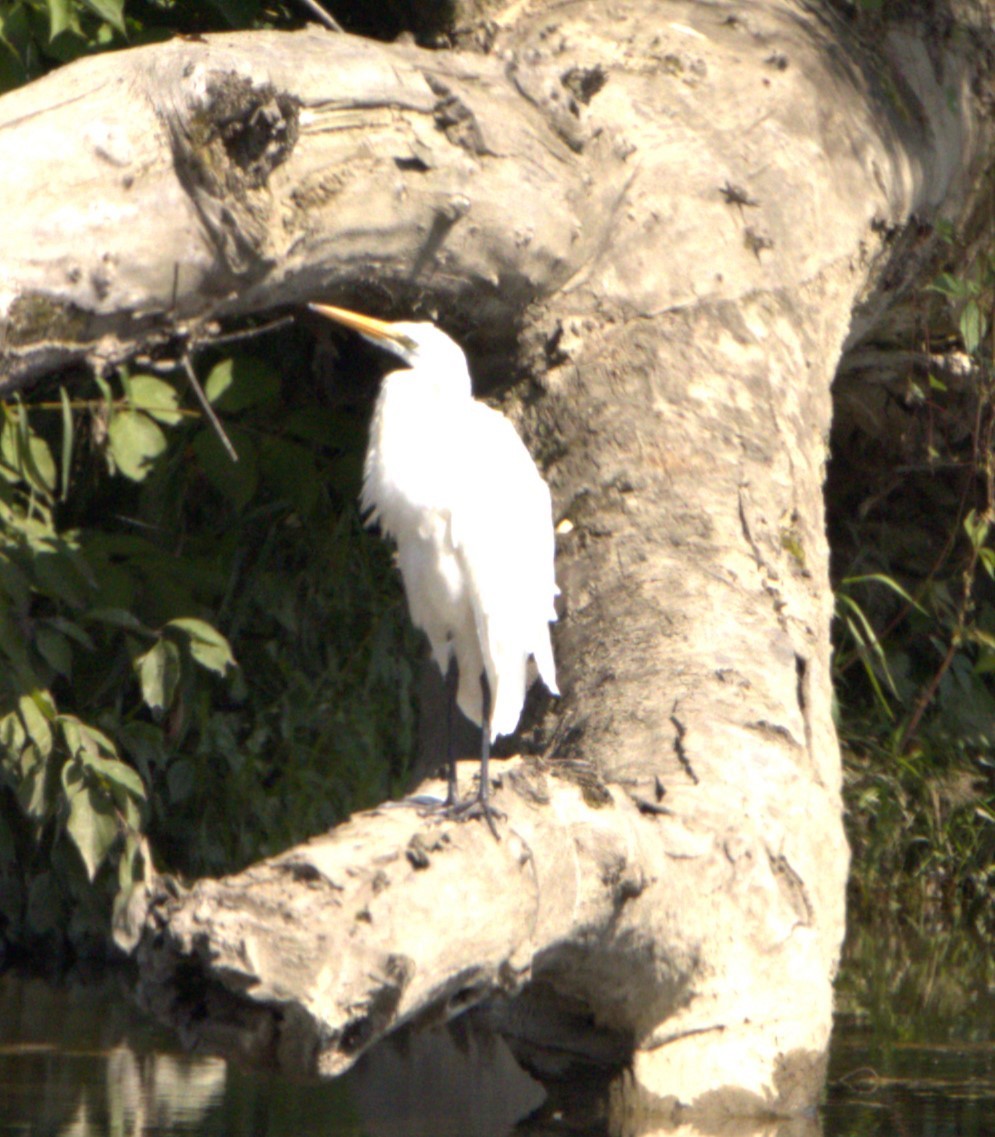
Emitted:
pixel 452 686
pixel 484 793
pixel 480 804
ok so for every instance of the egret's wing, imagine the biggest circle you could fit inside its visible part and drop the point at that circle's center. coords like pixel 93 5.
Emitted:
pixel 409 489
pixel 453 484
pixel 502 530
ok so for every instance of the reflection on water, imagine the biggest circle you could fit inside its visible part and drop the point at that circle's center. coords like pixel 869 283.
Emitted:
pixel 943 1089
pixel 79 1061
pixel 80 1092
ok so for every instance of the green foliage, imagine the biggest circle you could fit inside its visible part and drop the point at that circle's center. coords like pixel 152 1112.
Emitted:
pixel 909 987
pixel 915 655
pixel 969 296
pixel 38 35
pixel 203 658
pixel 863 641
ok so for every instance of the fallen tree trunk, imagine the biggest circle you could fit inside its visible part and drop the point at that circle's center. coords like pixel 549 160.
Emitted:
pixel 593 899
pixel 669 212
pixel 227 176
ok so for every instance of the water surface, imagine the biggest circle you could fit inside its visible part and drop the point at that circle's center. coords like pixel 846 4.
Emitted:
pixel 78 1059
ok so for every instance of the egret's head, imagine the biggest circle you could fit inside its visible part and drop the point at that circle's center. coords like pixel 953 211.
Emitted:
pixel 422 346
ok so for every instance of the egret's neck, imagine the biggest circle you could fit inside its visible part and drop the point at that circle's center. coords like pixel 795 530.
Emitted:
pixel 446 384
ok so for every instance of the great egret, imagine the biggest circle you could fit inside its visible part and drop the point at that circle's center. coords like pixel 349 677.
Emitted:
pixel 451 482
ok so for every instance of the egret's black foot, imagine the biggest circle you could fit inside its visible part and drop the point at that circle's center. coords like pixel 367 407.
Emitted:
pixel 477 806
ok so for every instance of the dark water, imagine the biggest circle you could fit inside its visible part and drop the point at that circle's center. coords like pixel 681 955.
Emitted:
pixel 79 1060
pixel 940 1089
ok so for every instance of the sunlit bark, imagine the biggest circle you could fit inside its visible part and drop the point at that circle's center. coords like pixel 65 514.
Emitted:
pixel 664 215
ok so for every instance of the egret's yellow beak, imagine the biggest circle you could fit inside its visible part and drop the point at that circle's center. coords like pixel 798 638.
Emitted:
pixel 379 330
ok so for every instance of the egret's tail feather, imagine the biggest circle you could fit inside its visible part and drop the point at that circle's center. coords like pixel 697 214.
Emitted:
pixel 509 695
pixel 544 662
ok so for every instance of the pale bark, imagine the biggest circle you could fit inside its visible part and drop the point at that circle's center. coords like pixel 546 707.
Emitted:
pixel 672 209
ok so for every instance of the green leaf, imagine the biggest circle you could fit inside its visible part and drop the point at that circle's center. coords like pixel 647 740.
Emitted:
pixel 976 530
pixel 289 468
pixel 971 326
pixel 887 581
pixel 866 660
pixel 45 703
pixel 145 746
pixel 945 230
pixel 125 377
pixel 83 740
pixel 953 287
pixel 57 575
pixel 91 824
pixel 12 645
pixel 13 736
pixel 119 618
pixel 15 583
pixel 54 648
pixel 207 645
pixel 15 43
pixel 110 10
pixel 73 632
pixel 131 867
pixel 982 637
pixel 35 724
pixel 863 632
pixel 115 775
pixel 66 464
pixel 159 673
pixel 38 463
pixel 27 454
pixel 157 398
pixel 31 783
pixel 241 381
pixel 135 442
pixel 59 16
pixel 96 756
pixel 105 391
pixel 236 481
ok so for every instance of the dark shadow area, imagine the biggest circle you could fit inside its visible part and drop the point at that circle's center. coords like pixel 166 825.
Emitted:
pixel 426 20
pixel 909 499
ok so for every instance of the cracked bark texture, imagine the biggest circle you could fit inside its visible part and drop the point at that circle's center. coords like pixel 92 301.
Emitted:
pixel 666 216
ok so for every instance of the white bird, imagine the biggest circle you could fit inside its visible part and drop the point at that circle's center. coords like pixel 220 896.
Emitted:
pixel 451 482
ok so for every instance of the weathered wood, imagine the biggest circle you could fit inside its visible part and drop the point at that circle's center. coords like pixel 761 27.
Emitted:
pixel 202 179
pixel 399 914
pixel 672 212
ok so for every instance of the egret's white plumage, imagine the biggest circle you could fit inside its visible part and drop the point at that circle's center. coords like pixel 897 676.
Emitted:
pixel 451 482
